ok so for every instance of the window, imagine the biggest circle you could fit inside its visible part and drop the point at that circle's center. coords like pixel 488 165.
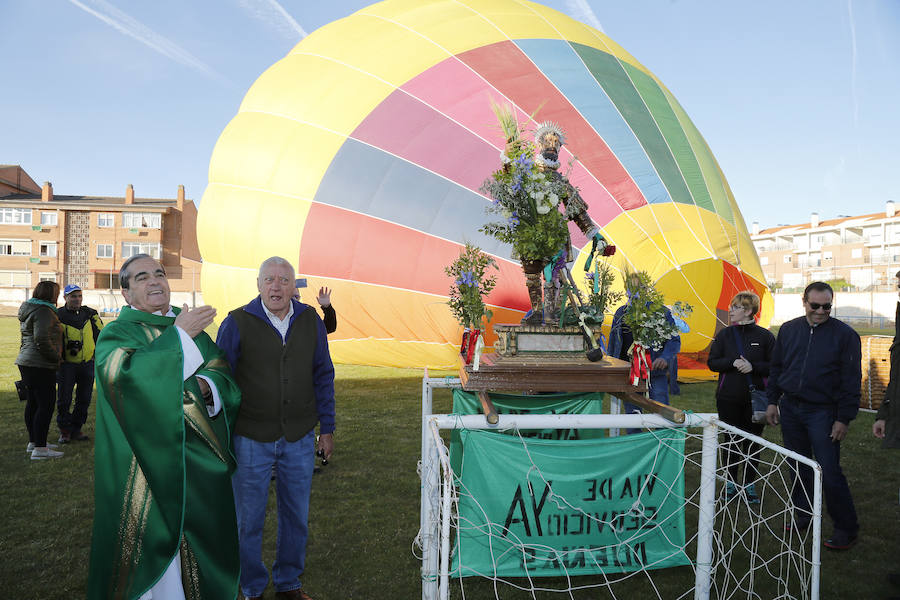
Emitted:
pixel 15 216
pixel 15 247
pixel 49 218
pixel 129 249
pixel 104 250
pixel 15 278
pixel 48 249
pixel 108 280
pixel 856 253
pixel 46 276
pixel 106 219
pixel 788 258
pixel 763 260
pixel 143 220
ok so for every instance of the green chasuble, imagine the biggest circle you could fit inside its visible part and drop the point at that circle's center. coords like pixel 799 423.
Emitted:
pixel 162 465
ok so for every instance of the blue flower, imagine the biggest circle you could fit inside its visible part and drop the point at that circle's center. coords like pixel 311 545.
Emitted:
pixel 514 218
pixel 467 278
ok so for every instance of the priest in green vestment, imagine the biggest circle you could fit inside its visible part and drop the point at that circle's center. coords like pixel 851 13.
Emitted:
pixel 164 520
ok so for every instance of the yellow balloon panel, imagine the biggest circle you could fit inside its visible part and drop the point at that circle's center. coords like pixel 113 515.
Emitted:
pixel 252 143
pixel 390 353
pixel 237 242
pixel 722 236
pixel 285 90
pixel 659 236
pixel 699 284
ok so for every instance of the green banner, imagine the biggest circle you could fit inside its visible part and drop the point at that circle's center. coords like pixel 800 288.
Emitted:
pixel 467 403
pixel 569 507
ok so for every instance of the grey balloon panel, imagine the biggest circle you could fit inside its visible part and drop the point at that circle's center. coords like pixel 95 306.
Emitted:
pixel 370 181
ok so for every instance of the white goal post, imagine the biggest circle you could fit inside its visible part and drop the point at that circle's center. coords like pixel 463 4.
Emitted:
pixel 439 494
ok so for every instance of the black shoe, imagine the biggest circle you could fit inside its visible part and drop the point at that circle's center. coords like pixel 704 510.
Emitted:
pixel 894 579
pixel 840 540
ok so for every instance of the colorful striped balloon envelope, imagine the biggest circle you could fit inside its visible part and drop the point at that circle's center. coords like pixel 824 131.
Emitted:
pixel 358 157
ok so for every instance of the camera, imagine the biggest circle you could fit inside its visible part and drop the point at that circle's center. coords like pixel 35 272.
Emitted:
pixel 74 346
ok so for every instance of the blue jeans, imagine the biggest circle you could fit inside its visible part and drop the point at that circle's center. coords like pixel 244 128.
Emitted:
pixel 806 429
pixel 293 462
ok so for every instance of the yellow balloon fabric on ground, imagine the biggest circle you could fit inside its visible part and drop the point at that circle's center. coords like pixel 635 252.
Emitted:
pixel 359 157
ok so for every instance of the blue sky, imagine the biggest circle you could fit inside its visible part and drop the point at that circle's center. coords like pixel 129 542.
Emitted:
pixel 798 100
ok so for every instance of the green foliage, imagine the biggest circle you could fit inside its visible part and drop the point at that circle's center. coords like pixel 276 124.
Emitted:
pixel 470 286
pixel 527 199
pixel 507 121
pixel 645 313
pixel 838 284
pixel 599 301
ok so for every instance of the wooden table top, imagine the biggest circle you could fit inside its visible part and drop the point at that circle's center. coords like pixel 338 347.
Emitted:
pixel 548 374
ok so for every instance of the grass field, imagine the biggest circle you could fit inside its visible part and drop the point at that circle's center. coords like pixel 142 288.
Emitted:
pixel 365 503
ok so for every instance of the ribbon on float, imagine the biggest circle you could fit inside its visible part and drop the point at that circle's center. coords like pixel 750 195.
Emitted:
pixel 479 346
pixel 554 265
pixel 640 363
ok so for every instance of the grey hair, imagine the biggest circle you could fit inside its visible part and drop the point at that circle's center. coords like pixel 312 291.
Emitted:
pixel 274 260
pixel 125 276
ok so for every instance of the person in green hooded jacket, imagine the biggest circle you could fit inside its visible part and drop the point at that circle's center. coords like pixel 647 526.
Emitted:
pixel 39 356
pixel 164 519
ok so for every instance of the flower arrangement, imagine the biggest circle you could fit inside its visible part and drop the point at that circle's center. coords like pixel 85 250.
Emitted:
pixel 600 293
pixel 470 286
pixel 645 313
pixel 526 197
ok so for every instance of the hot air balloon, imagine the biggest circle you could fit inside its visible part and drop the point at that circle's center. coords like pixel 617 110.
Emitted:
pixel 359 157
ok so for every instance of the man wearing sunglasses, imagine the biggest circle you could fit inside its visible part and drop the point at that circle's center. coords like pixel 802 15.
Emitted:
pixel 814 387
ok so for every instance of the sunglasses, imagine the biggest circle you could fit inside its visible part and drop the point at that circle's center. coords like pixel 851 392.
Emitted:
pixel 816 306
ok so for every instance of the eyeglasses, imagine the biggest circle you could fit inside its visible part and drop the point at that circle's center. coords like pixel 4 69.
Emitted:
pixel 816 306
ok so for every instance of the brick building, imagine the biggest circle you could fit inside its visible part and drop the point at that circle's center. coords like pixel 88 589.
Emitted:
pixel 85 239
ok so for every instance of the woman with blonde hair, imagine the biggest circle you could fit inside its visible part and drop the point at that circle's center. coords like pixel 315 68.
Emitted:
pixel 740 354
pixel 40 353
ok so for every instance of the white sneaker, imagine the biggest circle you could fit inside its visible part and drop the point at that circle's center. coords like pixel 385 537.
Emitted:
pixel 42 453
pixel 30 446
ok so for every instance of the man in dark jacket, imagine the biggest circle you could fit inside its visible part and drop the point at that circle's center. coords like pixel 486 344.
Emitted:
pixel 81 325
pixel 278 351
pixel 814 380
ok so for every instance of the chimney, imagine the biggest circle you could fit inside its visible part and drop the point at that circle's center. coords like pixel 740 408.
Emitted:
pixel 129 194
pixel 47 192
pixel 814 220
pixel 755 227
pixel 179 204
pixel 889 209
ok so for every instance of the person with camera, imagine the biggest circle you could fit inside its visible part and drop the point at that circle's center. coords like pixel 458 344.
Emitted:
pixel 740 354
pixel 38 360
pixel 80 325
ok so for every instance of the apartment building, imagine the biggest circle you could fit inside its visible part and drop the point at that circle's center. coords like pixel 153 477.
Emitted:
pixel 85 239
pixel 863 250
